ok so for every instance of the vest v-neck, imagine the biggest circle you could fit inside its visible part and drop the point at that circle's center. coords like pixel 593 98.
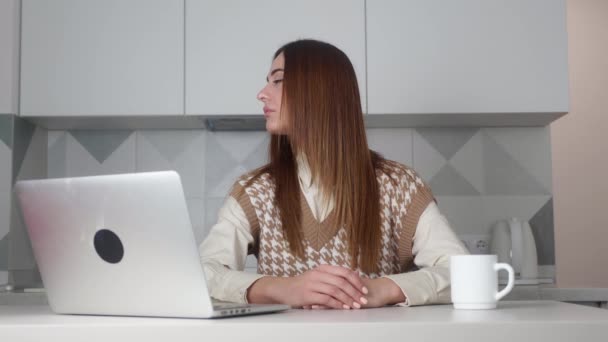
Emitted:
pixel 316 232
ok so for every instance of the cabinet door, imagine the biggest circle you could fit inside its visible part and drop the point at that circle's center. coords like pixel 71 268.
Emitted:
pixel 229 46
pixel 9 43
pixel 466 56
pixel 102 57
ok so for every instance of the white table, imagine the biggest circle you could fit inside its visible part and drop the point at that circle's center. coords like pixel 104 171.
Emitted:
pixel 512 321
pixel 519 292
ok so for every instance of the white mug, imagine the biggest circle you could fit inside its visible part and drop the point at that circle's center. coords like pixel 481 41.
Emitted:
pixel 475 281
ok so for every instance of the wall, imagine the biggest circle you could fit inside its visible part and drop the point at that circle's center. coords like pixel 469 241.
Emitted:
pixel 23 151
pixel 579 152
pixel 479 175
pixel 9 71
pixel 6 162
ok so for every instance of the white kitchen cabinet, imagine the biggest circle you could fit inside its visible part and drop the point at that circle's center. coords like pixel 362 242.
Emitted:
pixel 229 46
pixel 467 56
pixel 9 58
pixel 97 58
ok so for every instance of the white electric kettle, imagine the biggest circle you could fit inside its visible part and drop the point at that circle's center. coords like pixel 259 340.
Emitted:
pixel 513 242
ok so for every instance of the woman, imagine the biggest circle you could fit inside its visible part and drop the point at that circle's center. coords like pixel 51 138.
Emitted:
pixel 332 223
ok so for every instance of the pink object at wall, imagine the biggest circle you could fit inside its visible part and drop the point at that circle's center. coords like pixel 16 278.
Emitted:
pixel 580 152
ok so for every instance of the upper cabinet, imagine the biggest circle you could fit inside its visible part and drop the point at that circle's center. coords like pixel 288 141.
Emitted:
pixel 430 62
pixel 229 46
pixel 467 56
pixel 9 57
pixel 95 58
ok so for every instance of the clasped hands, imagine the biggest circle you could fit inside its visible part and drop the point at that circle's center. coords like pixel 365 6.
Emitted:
pixel 326 287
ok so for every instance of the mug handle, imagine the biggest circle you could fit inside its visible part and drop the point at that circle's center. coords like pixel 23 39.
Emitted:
pixel 510 284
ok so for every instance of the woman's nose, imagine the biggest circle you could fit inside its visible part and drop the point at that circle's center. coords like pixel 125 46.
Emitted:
pixel 262 95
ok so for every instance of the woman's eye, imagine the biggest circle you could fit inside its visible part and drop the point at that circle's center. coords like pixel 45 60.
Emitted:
pixel 277 81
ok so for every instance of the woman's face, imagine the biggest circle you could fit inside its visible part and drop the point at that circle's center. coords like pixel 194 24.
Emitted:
pixel 271 94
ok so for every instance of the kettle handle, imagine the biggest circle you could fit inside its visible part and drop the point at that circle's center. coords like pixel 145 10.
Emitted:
pixel 517 244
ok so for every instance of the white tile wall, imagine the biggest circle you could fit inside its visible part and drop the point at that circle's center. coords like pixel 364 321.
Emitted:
pixel 210 162
pixel 79 162
pixel 6 166
pixel 393 143
pixel 182 151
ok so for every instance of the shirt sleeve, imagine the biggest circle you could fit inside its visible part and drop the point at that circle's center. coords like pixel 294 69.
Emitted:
pixel 224 252
pixel 433 244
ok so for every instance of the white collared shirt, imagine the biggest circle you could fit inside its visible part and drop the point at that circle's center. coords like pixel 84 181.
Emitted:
pixel 224 251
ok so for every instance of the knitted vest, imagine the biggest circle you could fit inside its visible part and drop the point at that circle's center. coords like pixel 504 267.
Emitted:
pixel 403 198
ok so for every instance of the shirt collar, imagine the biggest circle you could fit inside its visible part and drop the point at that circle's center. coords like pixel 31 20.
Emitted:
pixel 304 171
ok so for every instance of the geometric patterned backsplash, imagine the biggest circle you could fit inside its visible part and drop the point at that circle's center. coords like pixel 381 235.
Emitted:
pixel 6 167
pixel 23 151
pixel 482 175
pixel 478 175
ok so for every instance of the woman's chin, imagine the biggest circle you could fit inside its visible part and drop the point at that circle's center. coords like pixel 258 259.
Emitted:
pixel 269 127
pixel 272 128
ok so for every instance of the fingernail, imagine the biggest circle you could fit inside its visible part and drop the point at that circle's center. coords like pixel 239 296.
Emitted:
pixel 365 291
pixel 357 305
pixel 346 307
pixel 315 307
pixel 363 300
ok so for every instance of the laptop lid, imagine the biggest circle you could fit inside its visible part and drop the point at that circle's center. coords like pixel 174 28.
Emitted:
pixel 115 245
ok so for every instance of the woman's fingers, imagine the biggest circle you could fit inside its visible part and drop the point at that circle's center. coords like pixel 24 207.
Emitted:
pixel 331 287
pixel 357 299
pixel 353 277
pixel 320 307
pixel 326 300
pixel 336 293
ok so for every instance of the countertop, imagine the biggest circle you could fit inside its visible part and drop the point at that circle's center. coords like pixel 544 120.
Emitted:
pixel 519 292
pixel 512 321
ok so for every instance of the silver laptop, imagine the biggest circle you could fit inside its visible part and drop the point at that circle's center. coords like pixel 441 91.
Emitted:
pixel 119 245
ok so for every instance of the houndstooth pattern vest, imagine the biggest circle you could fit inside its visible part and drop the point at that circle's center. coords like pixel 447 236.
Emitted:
pixel 403 198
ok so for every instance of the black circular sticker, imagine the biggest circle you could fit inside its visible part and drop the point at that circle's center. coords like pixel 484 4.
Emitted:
pixel 108 246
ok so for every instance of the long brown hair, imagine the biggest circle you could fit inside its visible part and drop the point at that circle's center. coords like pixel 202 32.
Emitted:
pixel 322 107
